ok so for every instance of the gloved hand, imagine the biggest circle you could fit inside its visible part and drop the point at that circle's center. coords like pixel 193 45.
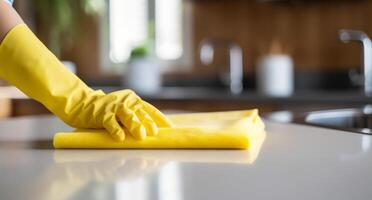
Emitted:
pixel 30 66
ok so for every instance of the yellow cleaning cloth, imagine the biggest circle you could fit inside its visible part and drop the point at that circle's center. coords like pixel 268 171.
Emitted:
pixel 214 130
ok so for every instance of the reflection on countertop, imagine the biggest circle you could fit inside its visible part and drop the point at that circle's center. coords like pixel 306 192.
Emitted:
pixel 135 169
pixel 113 174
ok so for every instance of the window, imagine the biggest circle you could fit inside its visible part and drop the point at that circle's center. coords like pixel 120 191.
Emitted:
pixel 168 34
pixel 127 23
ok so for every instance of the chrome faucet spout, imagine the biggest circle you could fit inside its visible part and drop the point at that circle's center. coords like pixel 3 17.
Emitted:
pixel 360 36
pixel 235 61
pixel 236 68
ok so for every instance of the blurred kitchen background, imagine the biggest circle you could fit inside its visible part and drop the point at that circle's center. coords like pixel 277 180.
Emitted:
pixel 206 55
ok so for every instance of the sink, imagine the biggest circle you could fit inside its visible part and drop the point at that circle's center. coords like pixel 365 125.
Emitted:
pixel 358 120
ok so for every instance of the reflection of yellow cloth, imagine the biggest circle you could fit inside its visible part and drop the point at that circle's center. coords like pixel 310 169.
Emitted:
pixel 229 130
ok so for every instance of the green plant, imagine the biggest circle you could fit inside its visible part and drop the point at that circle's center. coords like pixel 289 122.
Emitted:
pixel 61 19
pixel 139 52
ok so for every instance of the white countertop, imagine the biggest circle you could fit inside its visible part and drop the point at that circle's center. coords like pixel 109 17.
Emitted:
pixel 295 162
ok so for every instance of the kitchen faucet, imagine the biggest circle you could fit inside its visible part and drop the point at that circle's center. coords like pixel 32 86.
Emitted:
pixel 359 36
pixel 235 61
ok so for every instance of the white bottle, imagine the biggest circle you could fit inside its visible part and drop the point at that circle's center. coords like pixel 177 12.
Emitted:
pixel 275 76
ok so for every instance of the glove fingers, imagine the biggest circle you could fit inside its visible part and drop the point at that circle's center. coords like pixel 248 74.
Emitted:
pixel 130 120
pixel 113 127
pixel 158 117
pixel 147 122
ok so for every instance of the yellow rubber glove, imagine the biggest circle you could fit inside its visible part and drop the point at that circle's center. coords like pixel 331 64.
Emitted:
pixel 30 66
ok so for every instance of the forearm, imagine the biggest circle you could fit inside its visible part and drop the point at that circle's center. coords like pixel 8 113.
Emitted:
pixel 9 18
pixel 35 63
pixel 31 67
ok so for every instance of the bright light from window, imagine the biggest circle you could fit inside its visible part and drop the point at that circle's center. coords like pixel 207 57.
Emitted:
pixel 129 21
pixel 168 29
pixel 128 27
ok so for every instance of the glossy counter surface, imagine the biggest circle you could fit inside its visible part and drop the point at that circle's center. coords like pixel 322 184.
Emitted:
pixel 294 162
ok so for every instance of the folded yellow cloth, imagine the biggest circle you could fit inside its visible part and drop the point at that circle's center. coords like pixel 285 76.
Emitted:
pixel 214 130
